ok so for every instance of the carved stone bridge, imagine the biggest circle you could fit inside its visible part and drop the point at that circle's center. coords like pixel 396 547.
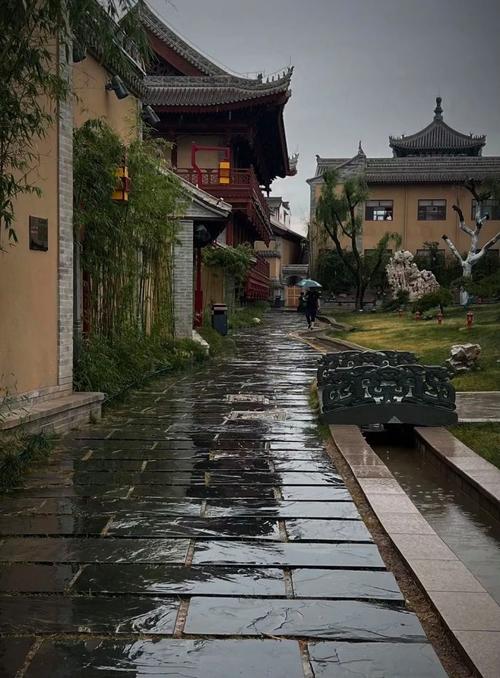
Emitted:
pixel 384 387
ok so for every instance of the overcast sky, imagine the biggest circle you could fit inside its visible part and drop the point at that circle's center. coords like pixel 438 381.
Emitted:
pixel 364 69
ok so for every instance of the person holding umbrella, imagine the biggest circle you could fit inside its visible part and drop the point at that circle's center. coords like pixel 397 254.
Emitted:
pixel 312 300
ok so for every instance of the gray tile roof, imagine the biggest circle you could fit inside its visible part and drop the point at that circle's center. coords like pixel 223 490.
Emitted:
pixel 424 169
pixel 216 90
pixel 158 28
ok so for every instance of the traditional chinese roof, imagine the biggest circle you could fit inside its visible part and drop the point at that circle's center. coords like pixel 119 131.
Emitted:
pixel 423 169
pixel 438 138
pixel 214 91
pixel 164 33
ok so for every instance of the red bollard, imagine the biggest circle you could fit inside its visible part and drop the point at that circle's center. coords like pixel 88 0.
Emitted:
pixel 418 315
pixel 440 318
pixel 470 319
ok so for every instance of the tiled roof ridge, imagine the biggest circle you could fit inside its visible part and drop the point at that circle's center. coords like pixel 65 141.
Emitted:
pixel 279 83
pixel 160 29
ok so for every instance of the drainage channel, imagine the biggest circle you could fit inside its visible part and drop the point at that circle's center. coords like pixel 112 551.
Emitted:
pixel 468 530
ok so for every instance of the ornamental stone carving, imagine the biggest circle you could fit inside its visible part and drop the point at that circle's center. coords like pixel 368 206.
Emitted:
pixel 404 274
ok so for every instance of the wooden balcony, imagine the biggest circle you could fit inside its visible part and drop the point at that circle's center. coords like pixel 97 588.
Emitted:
pixel 242 192
pixel 258 283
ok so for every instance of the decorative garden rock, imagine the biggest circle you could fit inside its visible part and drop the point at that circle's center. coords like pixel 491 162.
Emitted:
pixel 404 275
pixel 464 357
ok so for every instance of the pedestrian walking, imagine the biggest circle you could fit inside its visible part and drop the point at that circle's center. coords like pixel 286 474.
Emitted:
pixel 301 308
pixel 312 307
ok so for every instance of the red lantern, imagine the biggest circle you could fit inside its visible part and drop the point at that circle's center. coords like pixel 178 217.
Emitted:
pixel 418 315
pixel 470 319
pixel 439 318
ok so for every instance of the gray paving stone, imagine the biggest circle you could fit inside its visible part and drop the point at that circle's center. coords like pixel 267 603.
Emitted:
pixel 362 584
pixel 167 580
pixel 56 614
pixel 327 530
pixel 283 509
pixel 31 578
pixel 101 550
pixel 147 525
pixel 288 555
pixel 367 660
pixel 339 619
pixel 167 657
pixel 13 654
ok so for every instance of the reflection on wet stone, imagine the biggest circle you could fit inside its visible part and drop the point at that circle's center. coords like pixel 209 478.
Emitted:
pixel 161 580
pixel 365 660
pixel 337 619
pixel 193 499
pixel 167 657
pixel 53 614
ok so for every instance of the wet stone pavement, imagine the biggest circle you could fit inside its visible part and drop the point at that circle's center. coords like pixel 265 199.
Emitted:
pixel 200 530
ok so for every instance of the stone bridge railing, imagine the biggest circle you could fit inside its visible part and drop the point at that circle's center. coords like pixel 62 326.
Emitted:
pixel 384 387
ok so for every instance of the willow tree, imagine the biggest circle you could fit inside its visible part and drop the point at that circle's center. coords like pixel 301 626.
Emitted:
pixel 338 213
pixel 31 31
pixel 481 194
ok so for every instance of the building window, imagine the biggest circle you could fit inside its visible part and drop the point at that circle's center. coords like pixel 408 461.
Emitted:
pixel 431 257
pixel 378 210
pixel 431 210
pixel 490 207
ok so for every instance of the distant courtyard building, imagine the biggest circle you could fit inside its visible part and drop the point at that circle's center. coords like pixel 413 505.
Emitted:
pixel 412 192
pixel 286 254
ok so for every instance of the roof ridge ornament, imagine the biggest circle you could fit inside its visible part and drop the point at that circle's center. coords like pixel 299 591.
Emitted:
pixel 438 111
pixel 361 153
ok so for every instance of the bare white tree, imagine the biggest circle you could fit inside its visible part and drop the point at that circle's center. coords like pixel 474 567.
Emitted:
pixel 475 252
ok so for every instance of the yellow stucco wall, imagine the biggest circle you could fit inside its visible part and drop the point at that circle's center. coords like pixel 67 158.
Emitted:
pixel 92 100
pixel 28 284
pixel 405 218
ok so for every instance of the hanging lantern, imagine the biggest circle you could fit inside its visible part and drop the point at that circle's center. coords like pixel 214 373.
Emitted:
pixel 122 186
pixel 224 172
pixel 470 319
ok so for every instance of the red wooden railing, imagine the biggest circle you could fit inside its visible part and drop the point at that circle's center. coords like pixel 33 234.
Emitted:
pixel 208 178
pixel 258 284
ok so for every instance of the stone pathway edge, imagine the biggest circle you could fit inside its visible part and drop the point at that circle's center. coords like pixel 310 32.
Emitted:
pixel 471 615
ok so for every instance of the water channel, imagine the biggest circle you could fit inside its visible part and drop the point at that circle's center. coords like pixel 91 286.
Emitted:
pixel 469 531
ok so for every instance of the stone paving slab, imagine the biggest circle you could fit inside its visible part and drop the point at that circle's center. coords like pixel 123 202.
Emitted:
pixel 165 657
pixel 201 508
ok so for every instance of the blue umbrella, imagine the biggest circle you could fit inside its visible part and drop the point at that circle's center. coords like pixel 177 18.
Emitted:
pixel 307 282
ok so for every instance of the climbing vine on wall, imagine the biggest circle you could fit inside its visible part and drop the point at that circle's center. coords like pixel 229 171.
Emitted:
pixel 126 247
pixel 235 261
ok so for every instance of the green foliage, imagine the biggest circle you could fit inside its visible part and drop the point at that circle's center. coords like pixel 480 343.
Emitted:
pixel 129 360
pixel 487 287
pixel 484 439
pixel 338 214
pixel 31 85
pixel 440 298
pixel 401 301
pixel 126 248
pixel 432 342
pixel 20 451
pixel 236 261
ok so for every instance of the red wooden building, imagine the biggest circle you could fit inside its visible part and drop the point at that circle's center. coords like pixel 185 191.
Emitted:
pixel 227 132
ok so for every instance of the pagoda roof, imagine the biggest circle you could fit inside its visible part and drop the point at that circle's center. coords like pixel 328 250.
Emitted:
pixel 422 169
pixel 214 91
pixel 437 138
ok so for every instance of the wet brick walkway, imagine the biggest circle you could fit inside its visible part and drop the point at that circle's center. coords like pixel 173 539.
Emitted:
pixel 201 531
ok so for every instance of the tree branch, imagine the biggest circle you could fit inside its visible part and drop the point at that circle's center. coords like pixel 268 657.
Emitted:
pixel 461 221
pixel 453 248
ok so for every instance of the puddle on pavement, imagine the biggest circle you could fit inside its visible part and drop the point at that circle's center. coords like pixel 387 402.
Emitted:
pixel 470 532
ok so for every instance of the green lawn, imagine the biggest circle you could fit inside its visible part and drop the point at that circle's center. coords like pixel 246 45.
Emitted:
pixel 432 342
pixel 482 438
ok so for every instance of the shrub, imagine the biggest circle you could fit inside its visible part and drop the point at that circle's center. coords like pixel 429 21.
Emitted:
pixel 438 299
pixel 401 301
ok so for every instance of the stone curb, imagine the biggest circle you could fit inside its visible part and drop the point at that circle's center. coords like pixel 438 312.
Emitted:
pixel 474 475
pixel 468 611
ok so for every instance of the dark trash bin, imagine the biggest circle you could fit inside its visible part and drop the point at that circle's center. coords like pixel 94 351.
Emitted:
pixel 219 318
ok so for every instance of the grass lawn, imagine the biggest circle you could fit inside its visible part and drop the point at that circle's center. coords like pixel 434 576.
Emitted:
pixel 432 342
pixel 482 438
